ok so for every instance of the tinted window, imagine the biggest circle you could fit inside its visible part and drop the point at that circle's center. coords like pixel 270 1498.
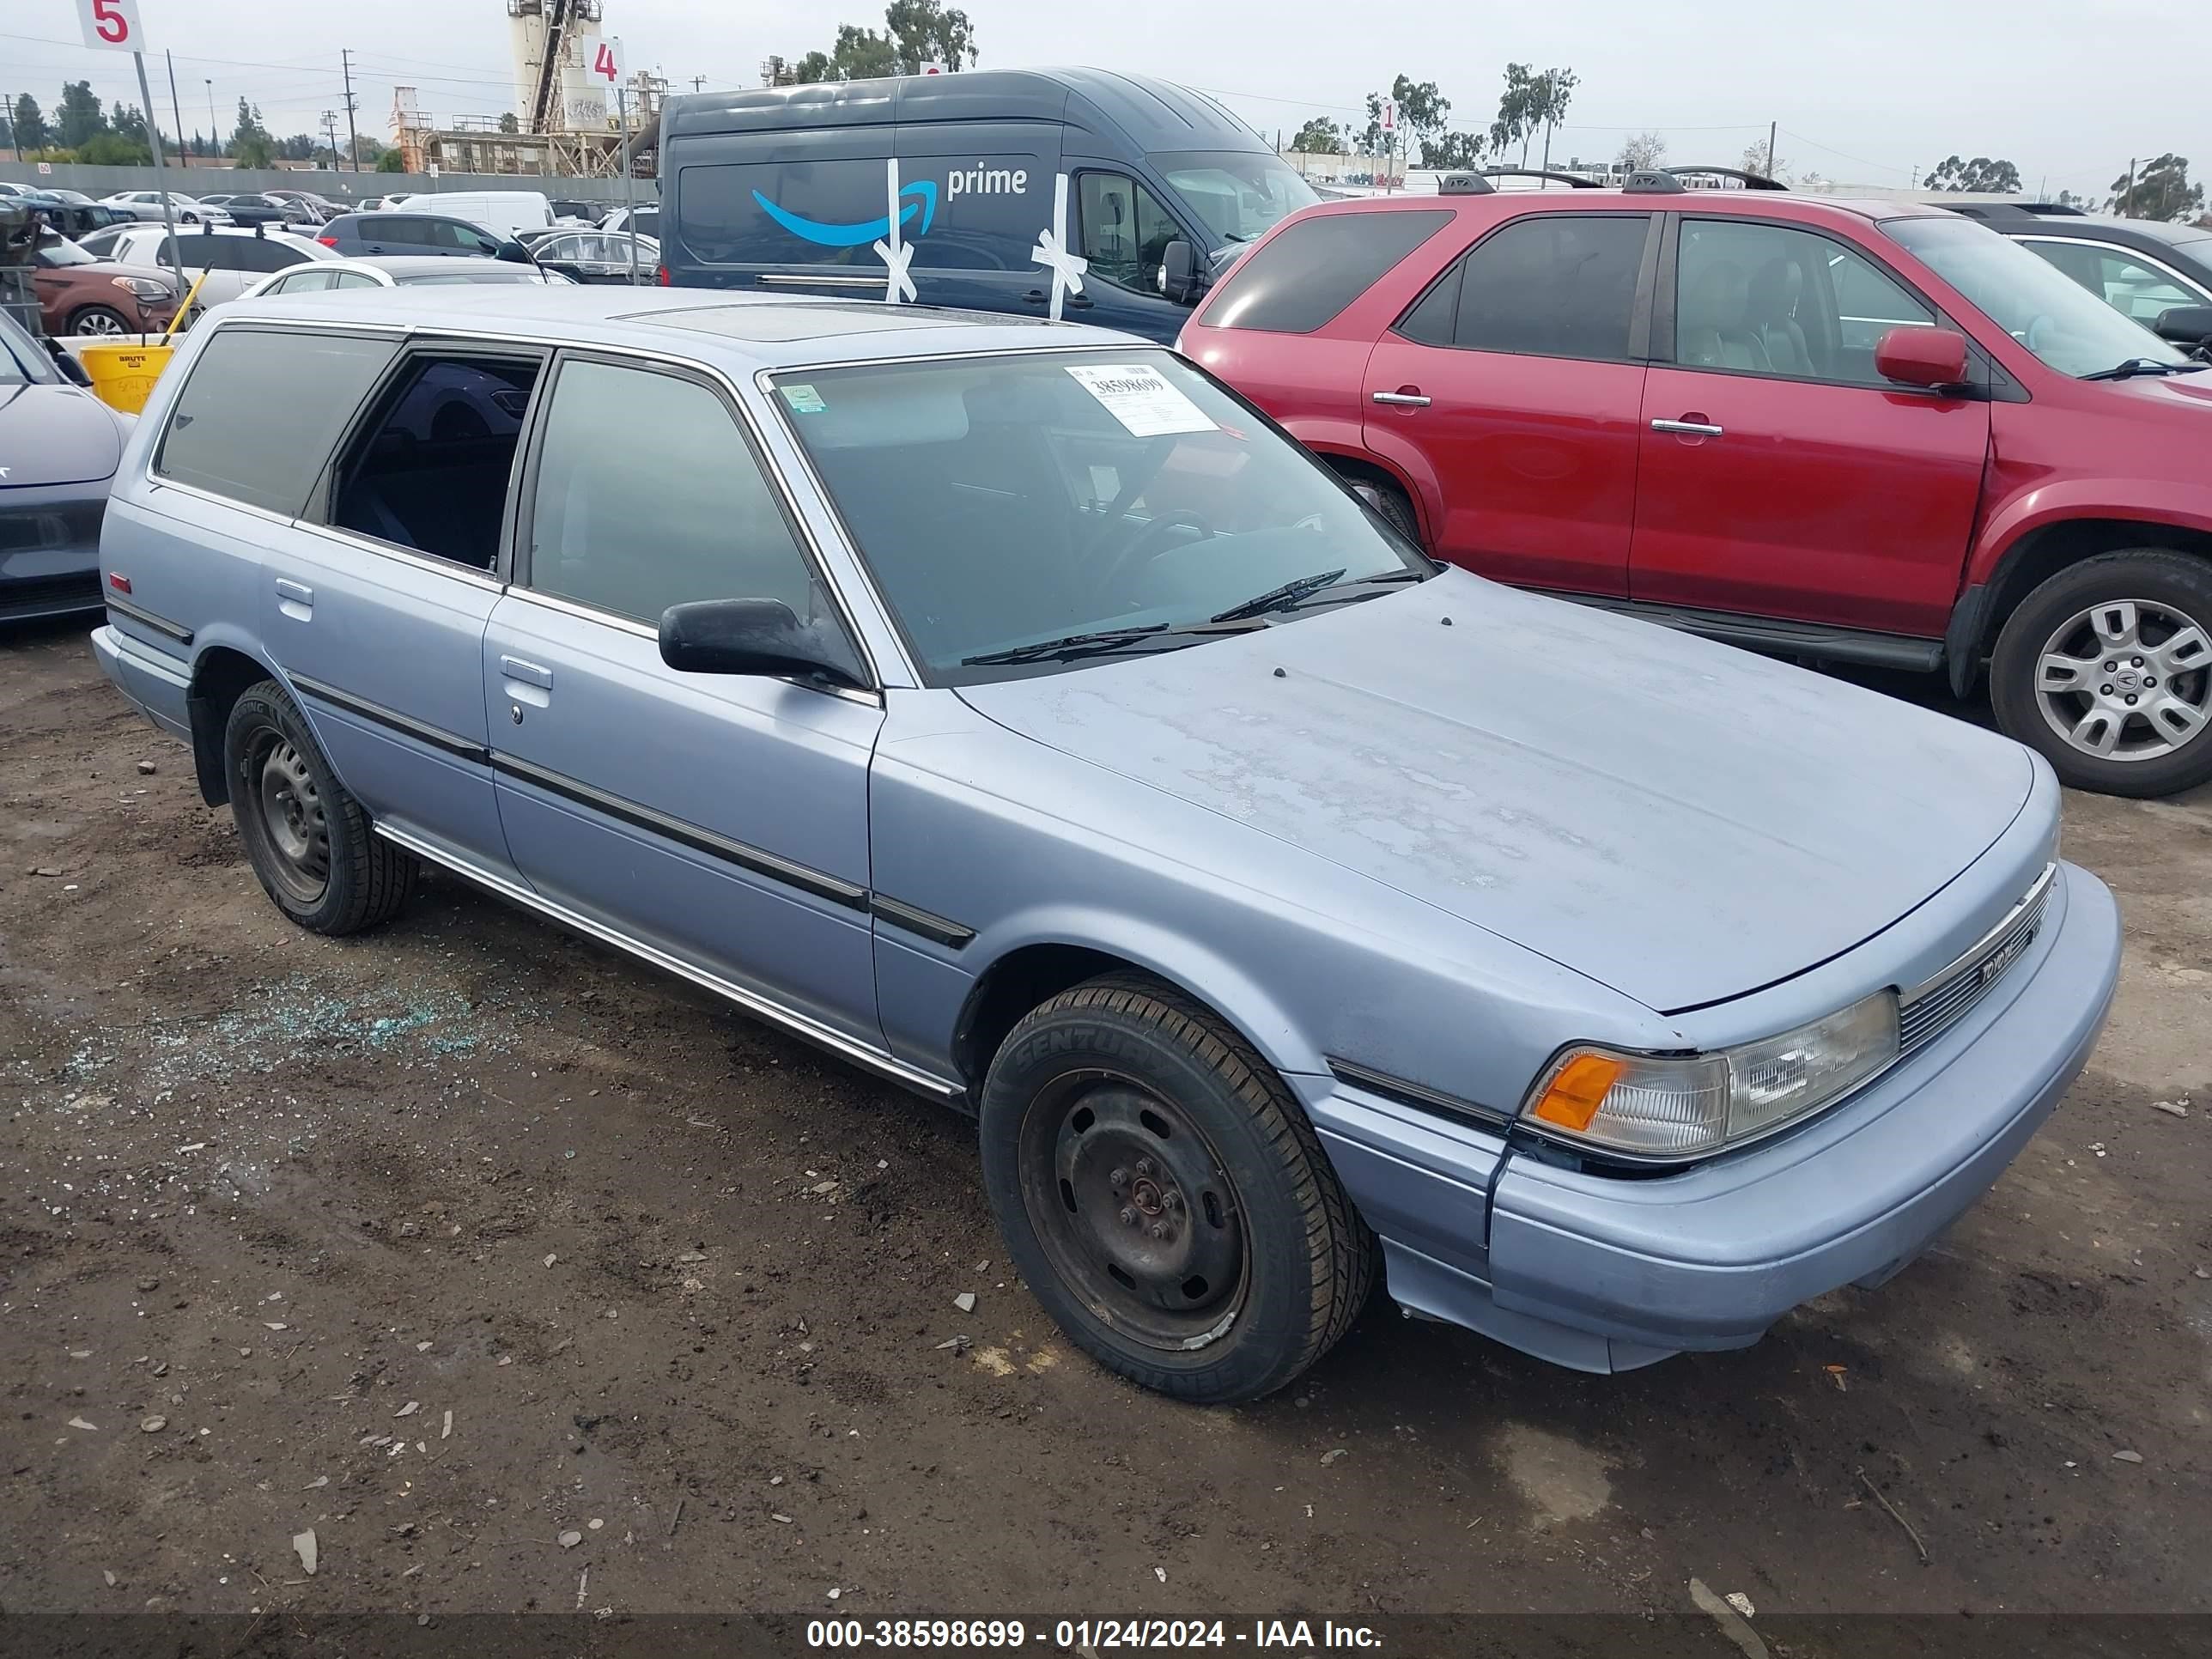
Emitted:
pixel 1554 285
pixel 648 495
pixel 429 472
pixel 2121 280
pixel 256 419
pixel 466 239
pixel 724 214
pixel 399 230
pixel 258 253
pixel 1765 299
pixel 1123 230
pixel 202 250
pixel 1310 271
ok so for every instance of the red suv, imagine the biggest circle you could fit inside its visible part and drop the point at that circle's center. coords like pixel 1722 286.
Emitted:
pixel 1847 431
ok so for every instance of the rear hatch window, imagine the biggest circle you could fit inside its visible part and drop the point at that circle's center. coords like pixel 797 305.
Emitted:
pixel 1310 270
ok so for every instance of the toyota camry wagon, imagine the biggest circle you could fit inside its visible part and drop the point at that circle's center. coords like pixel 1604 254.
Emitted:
pixel 1012 711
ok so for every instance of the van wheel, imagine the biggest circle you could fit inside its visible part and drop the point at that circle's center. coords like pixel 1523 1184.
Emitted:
pixel 1163 1196
pixel 2107 668
pixel 307 839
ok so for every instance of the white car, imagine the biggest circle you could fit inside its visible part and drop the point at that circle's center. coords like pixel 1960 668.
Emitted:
pixel 233 258
pixel 398 271
pixel 644 218
pixel 146 204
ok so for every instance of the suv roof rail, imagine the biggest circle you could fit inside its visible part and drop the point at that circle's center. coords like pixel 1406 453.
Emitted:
pixel 1648 182
pixel 1573 180
pixel 1465 184
pixel 1751 180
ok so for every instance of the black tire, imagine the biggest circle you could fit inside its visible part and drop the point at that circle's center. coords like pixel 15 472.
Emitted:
pixel 1234 1168
pixel 282 790
pixel 2161 586
pixel 1394 505
pixel 106 322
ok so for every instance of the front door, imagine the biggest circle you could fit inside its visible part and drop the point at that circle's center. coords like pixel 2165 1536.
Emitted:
pixel 1122 231
pixel 720 820
pixel 1781 476
pixel 1510 396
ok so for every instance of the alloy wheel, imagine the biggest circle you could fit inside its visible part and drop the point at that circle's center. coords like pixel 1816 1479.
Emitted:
pixel 99 324
pixel 2126 680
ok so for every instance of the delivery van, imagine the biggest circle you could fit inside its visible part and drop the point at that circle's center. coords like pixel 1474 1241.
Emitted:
pixel 791 190
pixel 503 212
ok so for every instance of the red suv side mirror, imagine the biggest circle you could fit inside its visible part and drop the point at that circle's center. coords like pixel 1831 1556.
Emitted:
pixel 1928 357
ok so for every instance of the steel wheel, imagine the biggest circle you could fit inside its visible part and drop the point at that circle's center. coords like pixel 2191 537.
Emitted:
pixel 2126 680
pixel 292 817
pixel 1134 1211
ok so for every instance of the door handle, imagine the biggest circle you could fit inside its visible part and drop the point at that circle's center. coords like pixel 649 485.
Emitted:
pixel 1402 399
pixel 296 600
pixel 1688 428
pixel 529 673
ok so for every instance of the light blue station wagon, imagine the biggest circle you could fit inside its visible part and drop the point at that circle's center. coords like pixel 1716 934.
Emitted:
pixel 1014 712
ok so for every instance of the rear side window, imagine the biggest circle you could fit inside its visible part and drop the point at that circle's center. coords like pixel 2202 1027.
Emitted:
pixel 1554 285
pixel 258 253
pixel 1313 270
pixel 256 420
pixel 406 232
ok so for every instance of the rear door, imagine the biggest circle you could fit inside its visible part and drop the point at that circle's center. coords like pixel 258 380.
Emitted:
pixel 1780 474
pixel 1512 393
pixel 994 183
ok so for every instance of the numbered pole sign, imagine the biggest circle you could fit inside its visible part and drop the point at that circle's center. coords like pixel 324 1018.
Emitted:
pixel 111 24
pixel 606 66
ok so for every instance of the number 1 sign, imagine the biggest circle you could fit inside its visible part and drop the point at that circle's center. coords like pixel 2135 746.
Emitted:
pixel 111 24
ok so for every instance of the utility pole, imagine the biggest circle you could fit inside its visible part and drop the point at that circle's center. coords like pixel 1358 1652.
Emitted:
pixel 15 133
pixel 330 132
pixel 1771 127
pixel 353 138
pixel 184 156
pixel 2128 196
pixel 697 82
pixel 214 129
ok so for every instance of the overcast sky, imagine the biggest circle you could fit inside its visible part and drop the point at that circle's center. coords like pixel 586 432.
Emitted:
pixel 1865 91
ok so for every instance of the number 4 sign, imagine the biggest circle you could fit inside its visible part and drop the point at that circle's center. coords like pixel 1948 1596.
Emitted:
pixel 112 24
pixel 606 60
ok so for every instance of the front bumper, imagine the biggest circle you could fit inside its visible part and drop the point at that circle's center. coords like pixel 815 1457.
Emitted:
pixel 1605 1273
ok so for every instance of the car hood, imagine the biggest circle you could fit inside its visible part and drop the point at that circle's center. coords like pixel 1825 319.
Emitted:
pixel 56 434
pixel 2170 391
pixel 98 271
pixel 1678 820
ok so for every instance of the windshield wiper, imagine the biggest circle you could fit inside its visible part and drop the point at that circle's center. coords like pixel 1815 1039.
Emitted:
pixel 1296 596
pixel 1260 604
pixel 1097 643
pixel 2135 366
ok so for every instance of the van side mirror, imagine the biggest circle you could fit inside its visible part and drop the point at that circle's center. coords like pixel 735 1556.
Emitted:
pixel 2185 326
pixel 1931 358
pixel 1180 278
pixel 752 637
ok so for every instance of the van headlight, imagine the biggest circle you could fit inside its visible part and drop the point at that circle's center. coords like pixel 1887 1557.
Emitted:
pixel 1676 1106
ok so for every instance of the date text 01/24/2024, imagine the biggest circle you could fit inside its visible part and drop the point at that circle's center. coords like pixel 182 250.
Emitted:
pixel 1087 1635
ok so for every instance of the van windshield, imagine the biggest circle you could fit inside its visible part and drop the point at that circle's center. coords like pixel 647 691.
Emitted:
pixel 1241 195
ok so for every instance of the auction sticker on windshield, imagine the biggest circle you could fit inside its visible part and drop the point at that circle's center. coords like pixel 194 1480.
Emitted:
pixel 1141 398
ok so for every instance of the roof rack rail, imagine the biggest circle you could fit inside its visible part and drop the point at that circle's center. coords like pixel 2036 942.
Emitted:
pixel 1574 182
pixel 1751 180
pixel 1465 184
pixel 1646 182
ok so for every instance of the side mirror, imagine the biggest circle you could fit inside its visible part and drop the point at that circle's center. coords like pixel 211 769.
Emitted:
pixel 2184 326
pixel 513 254
pixel 1179 279
pixel 1931 358
pixel 751 636
pixel 72 370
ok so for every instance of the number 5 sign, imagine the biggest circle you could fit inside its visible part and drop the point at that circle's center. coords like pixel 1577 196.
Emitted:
pixel 606 60
pixel 111 23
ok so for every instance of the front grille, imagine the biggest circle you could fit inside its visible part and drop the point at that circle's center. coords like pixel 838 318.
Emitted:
pixel 49 529
pixel 1925 1013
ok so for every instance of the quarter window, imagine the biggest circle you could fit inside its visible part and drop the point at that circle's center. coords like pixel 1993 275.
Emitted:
pixel 649 495
pixel 1312 271
pixel 1125 231
pixel 256 419
pixel 1765 299
pixel 1554 285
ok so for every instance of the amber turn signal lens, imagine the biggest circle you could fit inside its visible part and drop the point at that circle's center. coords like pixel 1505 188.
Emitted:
pixel 1574 1096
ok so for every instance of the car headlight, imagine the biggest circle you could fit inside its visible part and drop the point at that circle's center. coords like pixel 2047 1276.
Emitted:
pixel 147 288
pixel 1674 1106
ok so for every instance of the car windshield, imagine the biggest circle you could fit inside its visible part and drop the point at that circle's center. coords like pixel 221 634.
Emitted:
pixel 1240 195
pixel 2070 329
pixel 1062 505
pixel 23 362
pixel 55 250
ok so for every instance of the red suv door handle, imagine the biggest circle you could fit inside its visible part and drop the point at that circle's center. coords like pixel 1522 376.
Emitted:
pixel 1406 396
pixel 1690 426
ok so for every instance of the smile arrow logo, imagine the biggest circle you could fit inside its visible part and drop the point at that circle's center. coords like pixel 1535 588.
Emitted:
pixel 857 235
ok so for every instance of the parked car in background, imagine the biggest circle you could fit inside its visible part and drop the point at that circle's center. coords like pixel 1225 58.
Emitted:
pixel 1308 894
pixel 146 205
pixel 432 235
pixel 399 272
pixel 644 220
pixel 233 258
pixel 1858 432
pixel 70 212
pixel 598 256
pixel 2142 268
pixel 575 211
pixel 785 189
pixel 262 210
pixel 80 293
pixel 501 212
pixel 58 447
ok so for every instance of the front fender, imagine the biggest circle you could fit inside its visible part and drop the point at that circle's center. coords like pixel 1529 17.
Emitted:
pixel 2151 502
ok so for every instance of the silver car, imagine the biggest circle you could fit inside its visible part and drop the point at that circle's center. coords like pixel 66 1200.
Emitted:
pixel 1011 710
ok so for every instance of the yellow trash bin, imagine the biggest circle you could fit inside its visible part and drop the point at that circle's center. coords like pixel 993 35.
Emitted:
pixel 123 376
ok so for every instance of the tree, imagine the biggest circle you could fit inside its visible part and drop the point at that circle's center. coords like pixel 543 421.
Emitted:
pixel 250 146
pixel 79 116
pixel 1513 126
pixel 1982 175
pixel 1642 152
pixel 509 122
pixel 2160 189
pixel 30 124
pixel 1318 136
pixel 129 124
pixel 112 150
pixel 924 32
pixel 1422 113
pixel 1549 94
pixel 302 147
pixel 1455 149
pixel 391 162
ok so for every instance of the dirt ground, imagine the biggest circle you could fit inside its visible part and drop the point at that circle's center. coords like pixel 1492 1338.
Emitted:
pixel 528 1278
